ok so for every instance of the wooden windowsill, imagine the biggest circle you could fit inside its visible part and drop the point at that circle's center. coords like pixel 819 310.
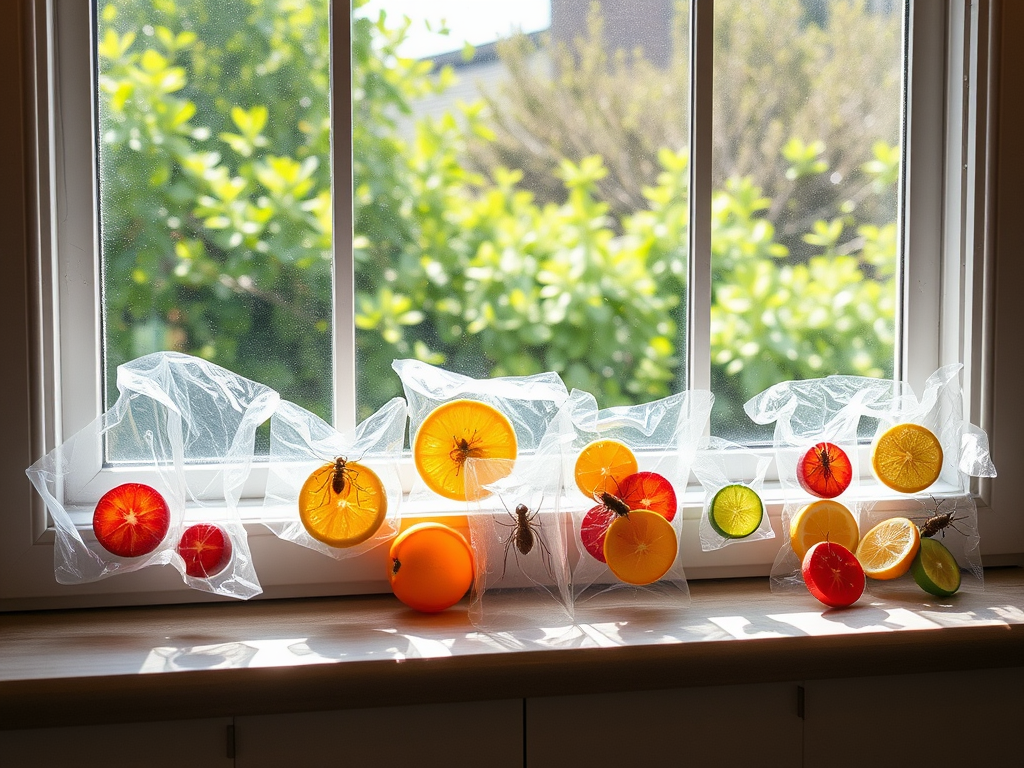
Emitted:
pixel 82 667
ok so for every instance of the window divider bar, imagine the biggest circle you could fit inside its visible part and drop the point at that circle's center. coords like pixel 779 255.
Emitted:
pixel 698 330
pixel 342 229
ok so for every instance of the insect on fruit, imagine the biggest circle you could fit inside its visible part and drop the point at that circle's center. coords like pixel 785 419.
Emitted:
pixel 524 534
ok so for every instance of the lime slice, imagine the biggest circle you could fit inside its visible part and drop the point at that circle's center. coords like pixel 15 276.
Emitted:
pixel 935 569
pixel 736 511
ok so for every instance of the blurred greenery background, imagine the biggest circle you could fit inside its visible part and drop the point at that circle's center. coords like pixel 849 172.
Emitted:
pixel 540 225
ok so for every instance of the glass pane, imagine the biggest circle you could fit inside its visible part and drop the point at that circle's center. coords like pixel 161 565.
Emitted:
pixel 521 191
pixel 808 107
pixel 214 187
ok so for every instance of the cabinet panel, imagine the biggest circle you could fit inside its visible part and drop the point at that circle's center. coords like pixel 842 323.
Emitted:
pixel 173 744
pixel 936 719
pixel 724 726
pixel 488 733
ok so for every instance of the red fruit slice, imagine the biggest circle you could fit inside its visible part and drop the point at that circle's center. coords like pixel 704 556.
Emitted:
pixel 649 490
pixel 833 574
pixel 206 550
pixel 825 471
pixel 131 520
pixel 594 528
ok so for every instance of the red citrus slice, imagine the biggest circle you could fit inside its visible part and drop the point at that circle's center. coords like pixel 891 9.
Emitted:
pixel 825 471
pixel 649 490
pixel 131 520
pixel 594 528
pixel 833 574
pixel 206 550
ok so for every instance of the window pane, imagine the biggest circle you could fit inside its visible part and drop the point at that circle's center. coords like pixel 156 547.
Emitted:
pixel 807 117
pixel 214 191
pixel 521 191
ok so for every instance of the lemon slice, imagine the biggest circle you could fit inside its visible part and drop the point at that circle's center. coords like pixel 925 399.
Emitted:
pixel 888 549
pixel 907 458
pixel 824 520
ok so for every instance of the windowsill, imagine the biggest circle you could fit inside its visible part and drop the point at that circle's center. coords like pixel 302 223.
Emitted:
pixel 129 664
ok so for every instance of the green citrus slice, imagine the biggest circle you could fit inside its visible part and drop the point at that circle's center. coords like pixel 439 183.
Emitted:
pixel 736 511
pixel 935 569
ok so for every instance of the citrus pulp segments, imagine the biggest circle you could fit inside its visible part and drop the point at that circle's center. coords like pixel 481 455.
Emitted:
pixel 824 520
pixel 935 569
pixel 640 547
pixel 887 550
pixel 131 519
pixel 347 518
pixel 736 511
pixel 825 471
pixel 907 458
pixel 459 430
pixel 602 466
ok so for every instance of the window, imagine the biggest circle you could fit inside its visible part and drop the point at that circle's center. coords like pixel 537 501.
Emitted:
pixel 681 349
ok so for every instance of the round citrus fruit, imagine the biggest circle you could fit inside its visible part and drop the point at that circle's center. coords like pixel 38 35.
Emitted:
pixel 833 574
pixel 824 520
pixel 459 430
pixel 736 511
pixel 649 490
pixel 431 567
pixel 825 471
pixel 640 547
pixel 206 550
pixel 907 458
pixel 131 520
pixel 888 549
pixel 602 466
pixel 342 504
pixel 935 569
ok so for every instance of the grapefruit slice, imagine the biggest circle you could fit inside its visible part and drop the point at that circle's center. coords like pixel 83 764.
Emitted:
pixel 131 520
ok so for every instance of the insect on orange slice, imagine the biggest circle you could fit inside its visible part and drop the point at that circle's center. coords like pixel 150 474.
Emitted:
pixel 348 517
pixel 887 551
pixel 907 458
pixel 640 547
pixel 602 466
pixel 459 430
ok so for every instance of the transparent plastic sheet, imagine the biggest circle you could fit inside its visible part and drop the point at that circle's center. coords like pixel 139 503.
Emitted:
pixel 181 425
pixel 965 454
pixel 301 442
pixel 805 414
pixel 719 463
pixel 663 435
pixel 529 402
pixel 522 577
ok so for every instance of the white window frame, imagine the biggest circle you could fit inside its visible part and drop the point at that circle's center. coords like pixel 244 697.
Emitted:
pixel 947 284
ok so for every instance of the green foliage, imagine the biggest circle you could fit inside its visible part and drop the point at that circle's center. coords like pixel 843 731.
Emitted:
pixel 571 257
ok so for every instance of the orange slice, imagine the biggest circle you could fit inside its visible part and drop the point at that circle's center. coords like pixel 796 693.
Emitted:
pixel 824 520
pixel 888 550
pixel 640 547
pixel 602 466
pixel 907 458
pixel 342 511
pixel 456 431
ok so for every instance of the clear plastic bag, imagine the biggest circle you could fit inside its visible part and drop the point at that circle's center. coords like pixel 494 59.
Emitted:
pixel 520 546
pixel 528 402
pixel 302 443
pixel 719 464
pixel 663 436
pixel 183 427
pixel 808 415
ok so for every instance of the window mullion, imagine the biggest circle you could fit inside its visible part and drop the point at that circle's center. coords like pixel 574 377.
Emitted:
pixel 344 344
pixel 698 348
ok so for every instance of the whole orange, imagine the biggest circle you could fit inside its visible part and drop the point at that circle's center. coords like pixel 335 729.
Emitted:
pixel 431 567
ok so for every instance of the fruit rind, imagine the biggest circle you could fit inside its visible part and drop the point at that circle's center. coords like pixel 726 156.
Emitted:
pixel 925 573
pixel 721 497
pixel 402 589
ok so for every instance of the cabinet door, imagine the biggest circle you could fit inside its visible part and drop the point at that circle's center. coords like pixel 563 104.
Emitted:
pixel 722 726
pixel 487 733
pixel 192 743
pixel 936 719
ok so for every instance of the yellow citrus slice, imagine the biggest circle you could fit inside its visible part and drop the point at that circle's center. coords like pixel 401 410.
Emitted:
pixel 602 466
pixel 342 504
pixel 825 520
pixel 640 547
pixel 459 430
pixel 888 550
pixel 907 458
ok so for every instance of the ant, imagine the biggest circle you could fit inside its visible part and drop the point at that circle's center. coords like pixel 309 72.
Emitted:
pixel 464 449
pixel 524 534
pixel 939 521
pixel 340 474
